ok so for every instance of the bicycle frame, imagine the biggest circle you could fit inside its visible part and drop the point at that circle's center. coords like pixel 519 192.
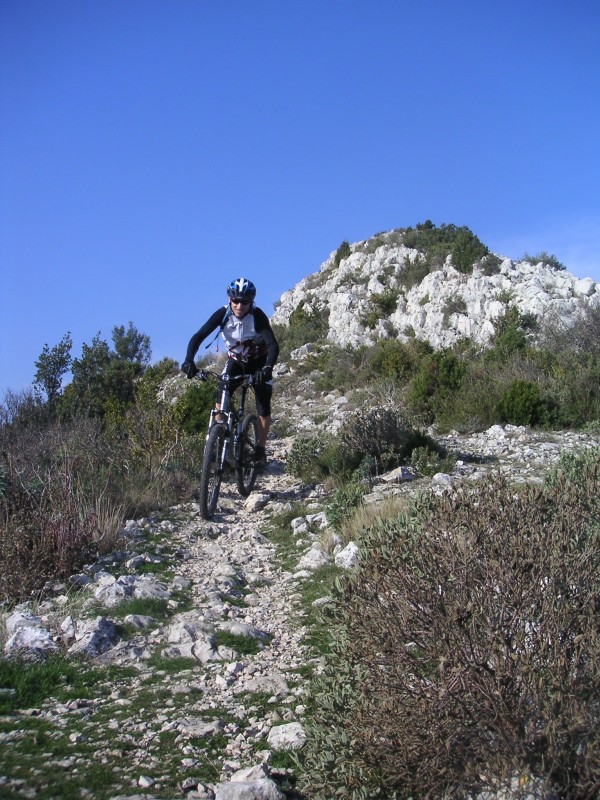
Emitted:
pixel 233 419
pixel 230 442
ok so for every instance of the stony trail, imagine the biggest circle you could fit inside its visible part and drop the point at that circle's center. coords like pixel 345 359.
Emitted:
pixel 191 700
pixel 207 698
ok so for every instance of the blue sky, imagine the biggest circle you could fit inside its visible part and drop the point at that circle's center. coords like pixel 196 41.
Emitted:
pixel 152 151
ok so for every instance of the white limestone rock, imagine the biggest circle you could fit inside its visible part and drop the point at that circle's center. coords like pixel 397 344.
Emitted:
pixel 290 736
pixel 348 557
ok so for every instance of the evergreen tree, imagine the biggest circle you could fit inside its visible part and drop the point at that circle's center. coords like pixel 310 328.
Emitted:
pixel 52 365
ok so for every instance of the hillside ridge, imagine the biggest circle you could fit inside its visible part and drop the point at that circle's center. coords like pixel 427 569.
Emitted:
pixel 381 288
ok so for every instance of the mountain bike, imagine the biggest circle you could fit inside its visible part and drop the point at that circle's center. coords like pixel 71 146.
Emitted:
pixel 230 442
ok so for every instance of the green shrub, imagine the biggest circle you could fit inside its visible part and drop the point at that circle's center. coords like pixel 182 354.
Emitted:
pixel 467 250
pixel 490 264
pixel 381 435
pixel 390 358
pixel 386 302
pixel 428 460
pixel 522 404
pixel 335 368
pixel 343 251
pixel 511 334
pixel 454 305
pixel 194 407
pixel 439 242
pixel 305 326
pixel 466 649
pixel 307 458
pixel 473 406
pixel 545 258
pixel 413 272
pixel 382 305
pixel 439 375
pixel 344 501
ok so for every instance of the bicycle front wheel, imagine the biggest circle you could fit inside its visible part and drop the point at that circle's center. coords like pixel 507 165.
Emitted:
pixel 212 471
pixel 245 466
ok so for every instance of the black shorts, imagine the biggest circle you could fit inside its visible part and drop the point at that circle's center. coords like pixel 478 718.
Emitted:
pixel 263 393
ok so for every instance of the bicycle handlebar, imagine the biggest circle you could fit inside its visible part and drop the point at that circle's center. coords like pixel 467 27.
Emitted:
pixel 204 374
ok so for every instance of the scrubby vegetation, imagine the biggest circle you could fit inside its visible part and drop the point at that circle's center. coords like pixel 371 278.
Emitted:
pixel 446 240
pixel 547 382
pixel 77 463
pixel 305 326
pixel 466 652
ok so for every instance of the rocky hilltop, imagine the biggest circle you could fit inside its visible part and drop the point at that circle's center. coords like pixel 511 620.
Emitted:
pixel 371 293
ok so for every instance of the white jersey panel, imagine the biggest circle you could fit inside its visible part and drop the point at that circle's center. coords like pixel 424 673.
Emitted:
pixel 241 338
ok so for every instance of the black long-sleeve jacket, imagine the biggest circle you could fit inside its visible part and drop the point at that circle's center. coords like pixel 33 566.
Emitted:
pixel 246 339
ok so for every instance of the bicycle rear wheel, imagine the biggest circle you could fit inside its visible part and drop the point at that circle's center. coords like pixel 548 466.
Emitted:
pixel 212 471
pixel 245 457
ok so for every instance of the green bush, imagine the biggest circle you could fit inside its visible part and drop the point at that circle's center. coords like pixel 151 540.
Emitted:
pixel 439 242
pixel 380 435
pixel 194 407
pixel 413 272
pixel 310 458
pixel 490 264
pixel 343 502
pixel 473 406
pixel 466 649
pixel 428 460
pixel 390 358
pixel 439 375
pixel 545 258
pixel 511 335
pixel 343 251
pixel 454 305
pixel 382 306
pixel 305 326
pixel 336 368
pixel 522 404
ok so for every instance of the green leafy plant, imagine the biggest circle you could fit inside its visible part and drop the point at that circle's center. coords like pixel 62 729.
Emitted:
pixel 344 500
pixel 429 461
pixel 390 358
pixel 382 305
pixel 306 325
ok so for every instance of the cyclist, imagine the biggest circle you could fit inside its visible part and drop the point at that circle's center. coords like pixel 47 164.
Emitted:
pixel 252 349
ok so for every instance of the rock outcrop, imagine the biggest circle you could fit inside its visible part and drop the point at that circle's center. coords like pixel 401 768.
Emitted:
pixel 444 308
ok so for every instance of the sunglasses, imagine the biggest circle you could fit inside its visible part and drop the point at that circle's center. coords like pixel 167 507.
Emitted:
pixel 240 301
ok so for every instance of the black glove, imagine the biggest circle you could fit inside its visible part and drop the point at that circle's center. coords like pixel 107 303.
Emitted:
pixel 263 376
pixel 189 368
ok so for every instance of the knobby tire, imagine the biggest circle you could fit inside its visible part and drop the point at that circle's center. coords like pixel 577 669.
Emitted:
pixel 245 461
pixel 210 480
